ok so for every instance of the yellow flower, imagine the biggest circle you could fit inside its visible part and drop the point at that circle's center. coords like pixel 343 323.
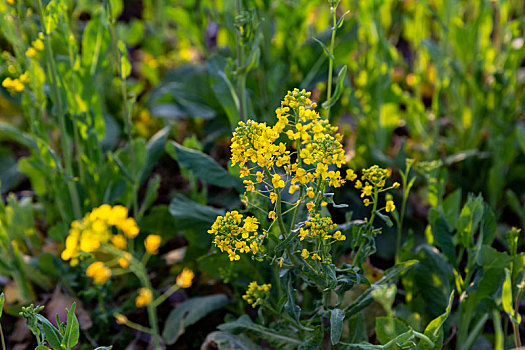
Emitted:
pixel 129 227
pixel 144 298
pixel 119 241
pixel 293 188
pixel 305 254
pixel 390 206
pixel 277 182
pixel 367 191
pixel 273 197
pixel 152 244
pixel 11 2
pixel 13 85
pixel 310 205
pixel 310 192
pixel 396 185
pixel 31 52
pixel 99 272
pixel 315 256
pixel 124 262
pixel 350 175
pixel 271 215
pixel 185 278
pixel 38 44
pixel 366 202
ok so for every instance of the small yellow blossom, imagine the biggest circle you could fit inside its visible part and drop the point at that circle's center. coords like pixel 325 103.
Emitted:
pixel 310 206
pixel 185 278
pixel 271 215
pixel 144 298
pixel 152 244
pixel 367 191
pixel 119 241
pixel 277 182
pixel 31 52
pixel 99 272
pixel 310 192
pixel 305 254
pixel 390 206
pixel 351 175
pixel 315 256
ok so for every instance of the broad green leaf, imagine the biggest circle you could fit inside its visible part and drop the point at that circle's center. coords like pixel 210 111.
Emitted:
pixel 489 257
pixel 203 166
pixel 442 235
pixel 154 149
pixel 273 337
pixel 434 330
pixel 223 89
pixel 189 312
pixel 451 206
pixel 469 219
pixel 95 45
pixel 388 328
pixel 366 298
pixel 337 317
pixel 190 214
pixel 52 334
pixel 227 341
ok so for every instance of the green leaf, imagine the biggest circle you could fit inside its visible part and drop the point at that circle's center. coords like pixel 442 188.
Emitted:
pixel 451 206
pixel 189 312
pixel 337 317
pixel 154 149
pixel 203 166
pixel 244 323
pixel 325 49
pixel 223 88
pixel 2 300
pixel 227 341
pixel 434 330
pixel 442 235
pixel 95 45
pixel 469 219
pixel 52 334
pixel 388 328
pixel 489 257
pixel 366 298
pixel 72 329
pixel 338 88
pixel 520 135
pixel 190 214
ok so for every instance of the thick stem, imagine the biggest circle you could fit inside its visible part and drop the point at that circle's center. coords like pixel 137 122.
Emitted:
pixel 75 201
pixel 241 74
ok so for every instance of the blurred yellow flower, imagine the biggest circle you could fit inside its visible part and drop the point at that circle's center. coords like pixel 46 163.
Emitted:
pixel 185 278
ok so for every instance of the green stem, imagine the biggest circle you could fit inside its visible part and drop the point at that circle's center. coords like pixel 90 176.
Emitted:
pixel 241 74
pixel 62 121
pixel 126 112
pixel 498 332
pixel 165 295
pixel 401 216
pixel 331 61
pixel 2 338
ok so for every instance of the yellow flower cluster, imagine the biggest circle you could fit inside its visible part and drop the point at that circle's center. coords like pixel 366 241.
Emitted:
pixel 317 226
pixel 17 84
pixel 89 233
pixel 234 236
pixel 256 294
pixel 258 150
pixel 36 46
pixel 372 182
